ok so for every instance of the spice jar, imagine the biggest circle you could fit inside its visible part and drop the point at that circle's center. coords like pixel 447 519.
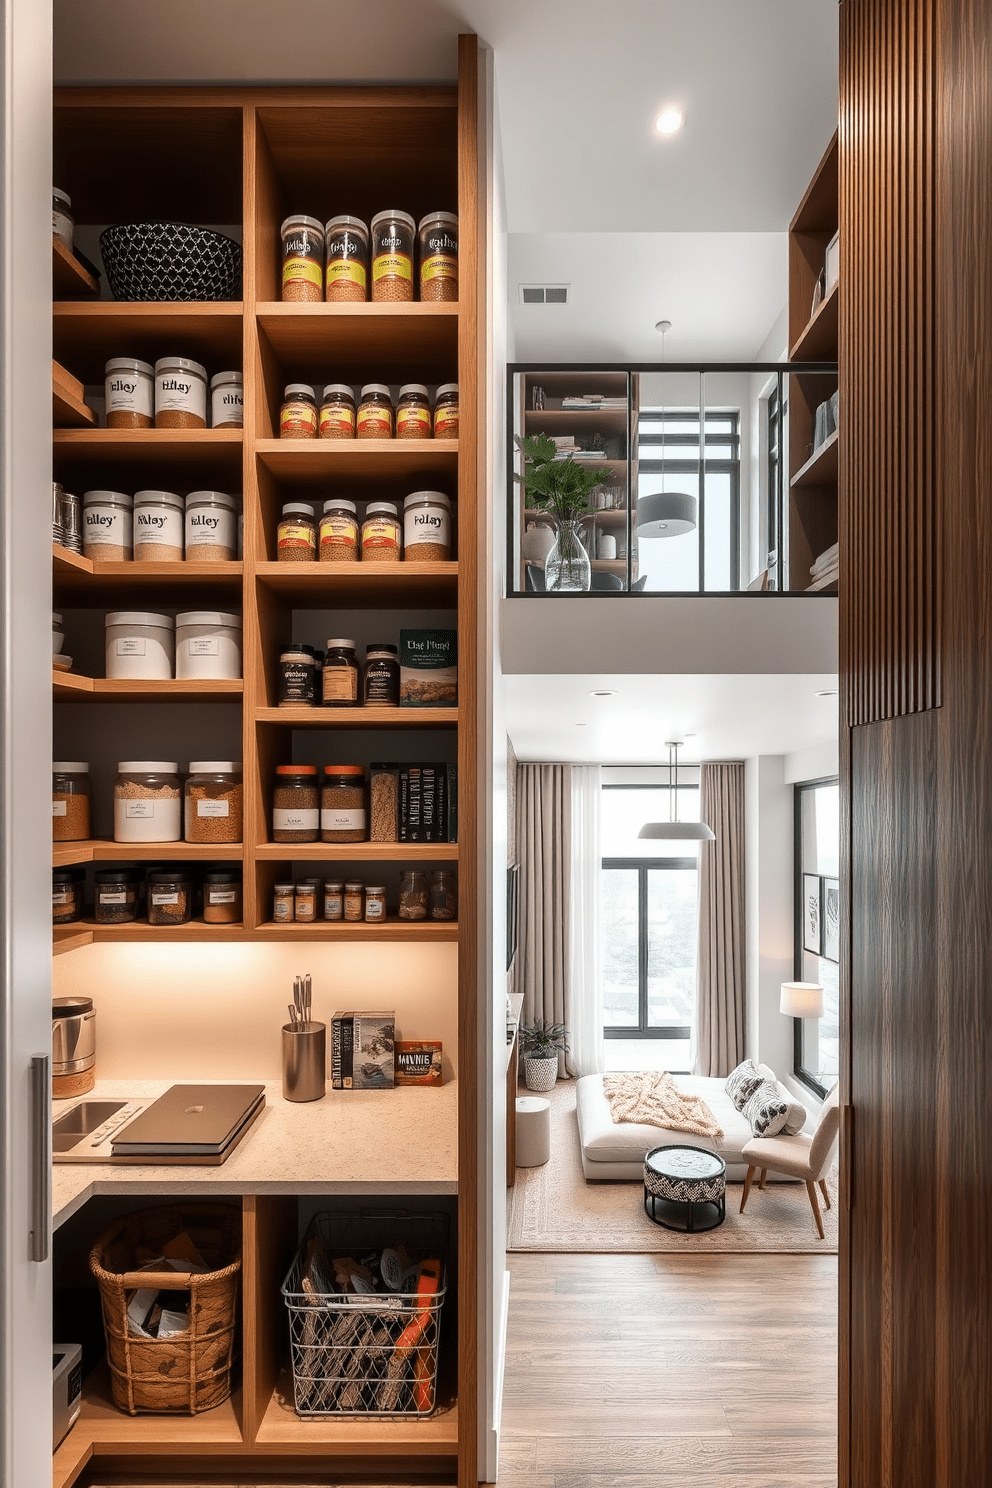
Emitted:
pixel 302 259
pixel 211 527
pixel 375 412
pixel 437 238
pixel 381 681
pixel 342 804
pixel 384 799
pixel 147 801
pixel 443 895
pixel 221 898
pixel 296 538
pixel 427 527
pixel 159 521
pixel 339 532
pixel 129 393
pixel 139 646
pixel 169 897
pixel 297 676
pixel 381 533
pixel 333 899
pixel 346 244
pixel 354 894
pixel 70 801
pixel 298 414
pixel 227 401
pixel 284 898
pixel 63 224
pixel 107 523
pixel 180 394
pixel 337 412
pixel 392 256
pixel 305 900
pixel 413 412
pixel 296 804
pixel 67 895
pixel 115 896
pixel 375 902
pixel 413 895
pixel 446 411
pixel 340 676
pixel 208 646
pixel 214 801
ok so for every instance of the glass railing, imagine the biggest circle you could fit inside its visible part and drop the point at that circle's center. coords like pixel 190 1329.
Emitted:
pixel 701 479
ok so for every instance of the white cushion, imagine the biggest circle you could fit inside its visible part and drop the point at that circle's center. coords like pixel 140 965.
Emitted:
pixel 606 1141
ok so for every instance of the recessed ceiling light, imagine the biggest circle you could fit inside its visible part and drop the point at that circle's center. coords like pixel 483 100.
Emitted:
pixel 604 692
pixel 580 725
pixel 670 120
pixel 827 692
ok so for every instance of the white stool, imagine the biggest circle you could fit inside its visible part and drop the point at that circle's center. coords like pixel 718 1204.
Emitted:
pixel 533 1131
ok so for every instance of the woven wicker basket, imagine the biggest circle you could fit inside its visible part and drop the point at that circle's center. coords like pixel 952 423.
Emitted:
pixel 191 1371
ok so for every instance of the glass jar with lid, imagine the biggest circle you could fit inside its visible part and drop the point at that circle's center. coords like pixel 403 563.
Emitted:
pixel 393 233
pixel 340 675
pixel 180 394
pixel 63 222
pixel 437 241
pixel 443 895
pixel 296 536
pixel 305 900
pixel 296 804
pixel 298 414
pixel 147 801
pixel 354 896
pixel 382 535
pixel 375 902
pixel 170 897
pixel 381 681
pixel 159 527
pixel 115 896
pixel 67 895
pixel 221 897
pixel 427 527
pixel 227 400
pixel 346 248
pixel 129 394
pixel 70 801
pixel 211 527
pixel 333 899
pixel 214 801
pixel 302 259
pixel 446 411
pixel 297 676
pixel 342 804
pixel 337 412
pixel 413 895
pixel 107 526
pixel 339 531
pixel 413 412
pixel 284 899
pixel 375 412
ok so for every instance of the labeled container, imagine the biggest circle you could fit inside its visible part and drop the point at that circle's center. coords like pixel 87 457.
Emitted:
pixel 159 527
pixel 302 259
pixel 375 412
pixel 298 413
pixel 129 394
pixel 392 256
pixel 170 897
pixel 437 242
pixel 333 899
pixel 382 535
pixel 413 412
pixel 427 527
pixel 283 900
pixel 381 679
pixel 297 676
pixel 115 896
pixel 346 250
pixel 107 526
pixel 67 895
pixel 214 801
pixel 73 1046
pixel 413 895
pixel 354 901
pixel 339 531
pixel 140 645
pixel 222 898
pixel 180 394
pixel 384 802
pixel 208 646
pixel 446 411
pixel 147 801
pixel 296 804
pixel 340 675
pixel 296 537
pixel 375 902
pixel 211 527
pixel 342 804
pixel 70 801
pixel 63 222
pixel 227 400
pixel 337 412
pixel 305 903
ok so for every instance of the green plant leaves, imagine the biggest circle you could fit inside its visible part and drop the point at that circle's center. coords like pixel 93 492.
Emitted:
pixel 559 486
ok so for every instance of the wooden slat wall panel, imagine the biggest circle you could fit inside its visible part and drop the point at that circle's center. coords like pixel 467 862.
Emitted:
pixel 890 602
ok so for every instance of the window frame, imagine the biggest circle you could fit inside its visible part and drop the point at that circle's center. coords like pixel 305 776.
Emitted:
pixel 803 1075
pixel 642 1030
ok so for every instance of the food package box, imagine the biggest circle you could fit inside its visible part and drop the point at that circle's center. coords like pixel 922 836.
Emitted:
pixel 428 668
pixel 418 1062
pixel 362 1050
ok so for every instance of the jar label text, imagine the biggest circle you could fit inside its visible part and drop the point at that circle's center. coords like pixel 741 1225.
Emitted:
pixel 213 808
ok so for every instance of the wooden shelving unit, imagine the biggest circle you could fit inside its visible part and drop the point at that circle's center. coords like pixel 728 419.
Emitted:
pixel 269 149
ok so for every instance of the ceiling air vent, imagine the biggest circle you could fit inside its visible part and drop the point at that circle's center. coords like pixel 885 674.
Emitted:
pixel 544 294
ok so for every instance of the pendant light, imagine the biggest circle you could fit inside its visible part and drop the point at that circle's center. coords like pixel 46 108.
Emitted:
pixel 675 830
pixel 665 513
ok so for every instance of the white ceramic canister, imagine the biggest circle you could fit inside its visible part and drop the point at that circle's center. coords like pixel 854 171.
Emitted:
pixel 107 525
pixel 537 542
pixel 211 527
pixel 129 393
pixel 227 401
pixel 148 801
pixel 180 394
pixel 606 545
pixel 159 521
pixel 208 645
pixel 140 645
pixel 427 523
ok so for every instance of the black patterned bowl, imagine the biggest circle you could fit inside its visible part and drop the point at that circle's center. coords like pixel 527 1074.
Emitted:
pixel 170 261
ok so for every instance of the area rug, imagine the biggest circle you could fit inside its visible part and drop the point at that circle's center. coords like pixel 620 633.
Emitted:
pixel 553 1208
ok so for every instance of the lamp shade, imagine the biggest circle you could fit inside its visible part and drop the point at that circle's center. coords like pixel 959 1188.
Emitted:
pixel 678 831
pixel 802 1000
pixel 665 514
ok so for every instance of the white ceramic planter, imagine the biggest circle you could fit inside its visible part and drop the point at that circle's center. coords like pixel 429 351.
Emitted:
pixel 540 1074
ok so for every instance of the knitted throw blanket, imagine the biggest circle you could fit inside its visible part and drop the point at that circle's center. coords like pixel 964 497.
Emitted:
pixel 651 1098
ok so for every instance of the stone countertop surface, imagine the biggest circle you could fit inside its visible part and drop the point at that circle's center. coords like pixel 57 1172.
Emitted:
pixel 399 1141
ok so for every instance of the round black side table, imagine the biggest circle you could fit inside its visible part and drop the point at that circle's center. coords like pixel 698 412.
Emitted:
pixel 685 1188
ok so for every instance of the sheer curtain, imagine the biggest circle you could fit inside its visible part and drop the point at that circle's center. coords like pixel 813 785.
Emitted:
pixel 719 1022
pixel 585 1000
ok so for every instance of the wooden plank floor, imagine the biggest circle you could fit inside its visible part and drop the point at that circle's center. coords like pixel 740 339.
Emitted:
pixel 651 1371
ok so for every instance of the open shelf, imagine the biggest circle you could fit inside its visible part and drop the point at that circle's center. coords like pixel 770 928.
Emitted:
pixel 818 342
pixel 575 420
pixel 362 585
pixel 70 688
pixel 81 582
pixel 397 463
pixel 175 450
pixel 391 929
pixel 86 335
pixel 399 1436
pixel 372 852
pixel 70 937
pixel 370 717
pixel 367 343
pixel 102 850
pixel 821 467
pixel 70 277
pixel 69 409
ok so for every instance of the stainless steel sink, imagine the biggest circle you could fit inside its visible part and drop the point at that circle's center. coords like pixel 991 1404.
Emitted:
pixel 69 1129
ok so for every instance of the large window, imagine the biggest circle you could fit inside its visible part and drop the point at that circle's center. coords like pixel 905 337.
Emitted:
pixel 817 907
pixel 668 453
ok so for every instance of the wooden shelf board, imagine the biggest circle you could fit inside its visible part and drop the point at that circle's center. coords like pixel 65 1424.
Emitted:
pixel 282 1427
pixel 362 585
pixel 69 410
pixel 69 276
pixel 140 930
pixel 392 929
pixel 80 582
pixel 67 687
pixel 822 586
pixel 370 717
pixel 818 342
pixel 70 938
pixel 821 467
pixel 87 932
pixel 387 343
pixel 609 565
pixel 817 212
pixel 596 420
pixel 373 852
pixel 363 461
pixel 85 334
pixel 101 850
pixel 103 1430
pixel 172 449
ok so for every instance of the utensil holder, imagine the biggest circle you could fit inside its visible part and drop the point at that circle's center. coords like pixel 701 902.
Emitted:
pixel 304 1062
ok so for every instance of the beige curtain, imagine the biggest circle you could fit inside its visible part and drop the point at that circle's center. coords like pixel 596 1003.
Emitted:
pixel 719 1033
pixel 543 850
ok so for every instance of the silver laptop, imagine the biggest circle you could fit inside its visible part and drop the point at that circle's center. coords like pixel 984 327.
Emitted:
pixel 192 1121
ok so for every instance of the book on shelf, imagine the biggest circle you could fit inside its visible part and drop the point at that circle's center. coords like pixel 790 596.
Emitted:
pixel 363 1050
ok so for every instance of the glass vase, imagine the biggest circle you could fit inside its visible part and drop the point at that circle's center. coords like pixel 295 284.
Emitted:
pixel 567 568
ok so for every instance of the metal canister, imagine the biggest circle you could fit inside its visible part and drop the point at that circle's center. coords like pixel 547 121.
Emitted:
pixel 72 522
pixel 56 512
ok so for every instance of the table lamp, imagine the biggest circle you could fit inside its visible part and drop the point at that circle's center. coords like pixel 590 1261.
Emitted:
pixel 801 1000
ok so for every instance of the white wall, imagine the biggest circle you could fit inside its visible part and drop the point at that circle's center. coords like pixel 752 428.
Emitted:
pixel 819 762
pixel 770 937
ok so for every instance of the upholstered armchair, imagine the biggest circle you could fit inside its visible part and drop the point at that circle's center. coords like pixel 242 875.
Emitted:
pixel 807 1158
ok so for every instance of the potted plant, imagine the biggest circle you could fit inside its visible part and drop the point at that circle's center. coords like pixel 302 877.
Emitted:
pixel 540 1043
pixel 562 488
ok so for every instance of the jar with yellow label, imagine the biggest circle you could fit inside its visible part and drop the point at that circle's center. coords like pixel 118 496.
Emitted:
pixel 446 411
pixel 375 412
pixel 339 532
pixel 337 412
pixel 392 256
pixel 437 236
pixel 413 412
pixel 340 678
pixel 382 535
pixel 347 252
pixel 302 259
pixel 298 414
pixel 296 538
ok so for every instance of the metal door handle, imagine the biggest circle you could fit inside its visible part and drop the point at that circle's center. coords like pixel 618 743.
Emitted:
pixel 41 1157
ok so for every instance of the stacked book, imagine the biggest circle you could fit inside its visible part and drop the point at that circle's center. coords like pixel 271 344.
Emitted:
pixel 414 803
pixel 593 401
pixel 824 570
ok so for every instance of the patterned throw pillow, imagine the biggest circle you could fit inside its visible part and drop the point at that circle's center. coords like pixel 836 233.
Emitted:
pixel 766 1110
pixel 743 1082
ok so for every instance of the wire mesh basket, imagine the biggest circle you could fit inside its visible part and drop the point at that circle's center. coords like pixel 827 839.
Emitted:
pixel 374 1354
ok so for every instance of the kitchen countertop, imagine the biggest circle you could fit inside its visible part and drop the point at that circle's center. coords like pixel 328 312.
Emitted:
pixel 402 1141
